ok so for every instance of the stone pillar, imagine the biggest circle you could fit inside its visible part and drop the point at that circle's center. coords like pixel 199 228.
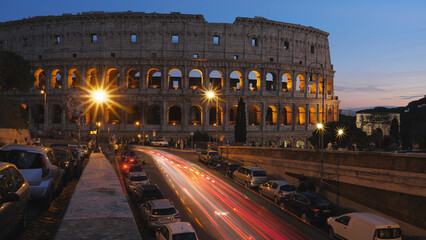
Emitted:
pixel 65 78
pixel 164 119
pixel 144 77
pixel 245 81
pixel 164 78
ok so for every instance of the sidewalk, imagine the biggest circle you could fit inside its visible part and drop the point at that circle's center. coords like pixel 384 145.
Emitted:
pixel 98 209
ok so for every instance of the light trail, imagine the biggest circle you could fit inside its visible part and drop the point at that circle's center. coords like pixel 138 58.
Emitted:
pixel 217 206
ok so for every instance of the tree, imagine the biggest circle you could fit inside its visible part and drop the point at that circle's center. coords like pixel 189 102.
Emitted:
pixel 13 115
pixel 394 130
pixel 15 72
pixel 240 132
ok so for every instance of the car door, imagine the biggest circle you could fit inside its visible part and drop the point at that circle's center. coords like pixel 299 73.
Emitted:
pixel 273 190
pixel 8 210
pixel 340 227
pixel 56 170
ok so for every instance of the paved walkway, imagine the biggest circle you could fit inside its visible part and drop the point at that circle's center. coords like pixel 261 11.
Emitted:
pixel 98 208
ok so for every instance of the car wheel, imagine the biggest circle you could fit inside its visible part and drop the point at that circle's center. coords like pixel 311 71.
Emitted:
pixel 276 200
pixel 24 221
pixel 48 200
pixel 260 192
pixel 331 233
pixel 305 218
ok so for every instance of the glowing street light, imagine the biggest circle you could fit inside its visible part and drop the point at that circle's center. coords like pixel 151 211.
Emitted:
pixel 44 109
pixel 210 95
pixel 99 96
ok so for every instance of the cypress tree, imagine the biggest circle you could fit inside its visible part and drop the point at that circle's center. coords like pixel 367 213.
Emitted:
pixel 240 132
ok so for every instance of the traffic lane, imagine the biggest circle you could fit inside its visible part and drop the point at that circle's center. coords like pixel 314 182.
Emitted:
pixel 156 176
pixel 226 211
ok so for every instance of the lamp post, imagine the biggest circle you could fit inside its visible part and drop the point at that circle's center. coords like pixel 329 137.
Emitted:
pixel 44 111
pixel 320 129
pixel 340 134
pixel 138 124
pixel 99 97
pixel 210 95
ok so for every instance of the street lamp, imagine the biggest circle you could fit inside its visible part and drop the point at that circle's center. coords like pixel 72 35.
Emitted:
pixel 320 129
pixel 211 94
pixel 44 109
pixel 340 134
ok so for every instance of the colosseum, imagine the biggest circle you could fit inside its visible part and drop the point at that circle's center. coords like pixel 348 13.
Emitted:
pixel 159 63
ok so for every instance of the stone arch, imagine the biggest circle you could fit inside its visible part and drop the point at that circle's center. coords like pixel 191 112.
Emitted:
pixel 312 115
pixel 93 78
pixel 321 85
pixel 271 115
pixel 321 116
pixel 175 78
pixel 56 78
pixel 233 115
pixel 254 81
pixel 254 115
pixel 154 114
pixel 154 78
pixel 287 116
pixel 301 116
pixel 330 115
pixel 270 82
pixel 336 115
pixel 74 78
pixel 133 78
pixel 40 77
pixel 133 115
pixel 57 114
pixel 195 79
pixel 196 115
pixel 329 86
pixel 112 77
pixel 271 143
pixel 287 143
pixel 301 79
pixel 236 80
pixel 212 115
pixel 216 79
pixel 300 144
pixel 174 115
pixel 286 82
pixel 313 84
pixel 111 115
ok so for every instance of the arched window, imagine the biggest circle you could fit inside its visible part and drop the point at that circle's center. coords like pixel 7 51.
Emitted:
pixel 301 81
pixel 56 79
pixel 329 86
pixel 212 115
pixel 195 115
pixel 40 77
pixel 321 85
pixel 233 115
pixel 236 80
pixel 57 114
pixel 132 114
pixel 175 79
pixel 174 115
pixel 112 78
pixel 270 82
pixel 154 115
pixel 254 115
pixel 330 115
pixel 195 79
pixel 154 78
pixel 312 115
pixel 301 116
pixel 271 116
pixel 111 115
pixel 93 78
pixel 321 116
pixel 216 79
pixel 286 82
pixel 336 115
pixel 287 116
pixel 133 78
pixel 312 84
pixel 74 78
pixel 254 81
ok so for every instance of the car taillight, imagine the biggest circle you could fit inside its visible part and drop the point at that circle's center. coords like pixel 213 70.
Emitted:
pixel 132 160
pixel 315 210
pixel 177 215
pixel 45 170
pixel 125 166
pixel 151 218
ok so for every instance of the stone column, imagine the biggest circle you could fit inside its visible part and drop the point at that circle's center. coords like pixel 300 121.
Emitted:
pixel 164 78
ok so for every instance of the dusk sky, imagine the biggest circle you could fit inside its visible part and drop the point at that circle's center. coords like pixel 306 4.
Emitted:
pixel 378 48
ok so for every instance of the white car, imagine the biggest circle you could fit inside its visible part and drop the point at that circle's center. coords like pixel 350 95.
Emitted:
pixel 156 213
pixel 160 143
pixel 276 189
pixel 136 179
pixel 177 230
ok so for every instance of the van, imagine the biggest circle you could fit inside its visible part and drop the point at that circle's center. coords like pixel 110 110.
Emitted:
pixel 250 176
pixel 363 226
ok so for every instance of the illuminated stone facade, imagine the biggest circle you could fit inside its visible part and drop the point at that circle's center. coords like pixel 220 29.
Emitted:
pixel 160 62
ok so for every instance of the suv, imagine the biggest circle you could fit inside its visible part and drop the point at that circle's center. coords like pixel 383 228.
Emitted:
pixel 14 197
pixel 143 193
pixel 156 213
pixel 39 167
pixel 250 176
pixel 308 206
pixel 177 230
pixel 276 189
pixel 209 157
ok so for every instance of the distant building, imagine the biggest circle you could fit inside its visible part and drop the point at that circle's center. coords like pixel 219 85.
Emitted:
pixel 346 112
pixel 378 118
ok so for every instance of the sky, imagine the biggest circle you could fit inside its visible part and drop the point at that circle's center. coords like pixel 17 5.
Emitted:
pixel 378 47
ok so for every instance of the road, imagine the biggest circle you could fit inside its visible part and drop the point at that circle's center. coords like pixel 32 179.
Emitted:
pixel 217 207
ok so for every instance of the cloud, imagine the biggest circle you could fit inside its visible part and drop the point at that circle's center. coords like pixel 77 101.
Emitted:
pixel 369 88
pixel 410 97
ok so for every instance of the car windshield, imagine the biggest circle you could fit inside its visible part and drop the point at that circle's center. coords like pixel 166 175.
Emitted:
pixel 164 211
pixel 61 155
pixel 288 188
pixel 138 178
pixel 184 236
pixel 259 173
pixel 152 194
pixel 22 160
pixel 388 233
pixel 318 201
pixel 135 169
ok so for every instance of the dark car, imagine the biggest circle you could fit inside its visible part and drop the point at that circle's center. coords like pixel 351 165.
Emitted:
pixel 227 168
pixel 53 145
pixel 14 197
pixel 308 206
pixel 66 162
pixel 143 193
pixel 128 155
pixel 78 162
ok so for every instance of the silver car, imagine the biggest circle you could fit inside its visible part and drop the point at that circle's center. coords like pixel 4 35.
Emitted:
pixel 276 189
pixel 250 176
pixel 156 213
pixel 39 167
pixel 136 179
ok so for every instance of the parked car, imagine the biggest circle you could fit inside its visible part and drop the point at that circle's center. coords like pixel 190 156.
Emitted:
pixel 136 179
pixel 14 197
pixel 143 193
pixel 78 161
pixel 250 176
pixel 176 231
pixel 66 162
pixel 207 157
pixel 85 150
pixel 79 150
pixel 156 213
pixel 128 156
pixel 309 207
pixel 39 167
pixel 227 168
pixel 363 225
pixel 160 143
pixel 276 189
pixel 53 145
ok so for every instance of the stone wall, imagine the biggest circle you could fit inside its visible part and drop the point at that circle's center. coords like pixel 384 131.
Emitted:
pixel 14 136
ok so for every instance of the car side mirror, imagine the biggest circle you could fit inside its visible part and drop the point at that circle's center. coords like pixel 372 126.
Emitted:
pixel 10 197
